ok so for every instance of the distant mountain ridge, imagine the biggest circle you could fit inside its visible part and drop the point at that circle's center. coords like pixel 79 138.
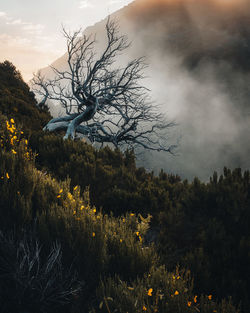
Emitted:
pixel 193 29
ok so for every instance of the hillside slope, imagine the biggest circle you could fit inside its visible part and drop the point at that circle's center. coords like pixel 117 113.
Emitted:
pixel 58 252
pixel 49 198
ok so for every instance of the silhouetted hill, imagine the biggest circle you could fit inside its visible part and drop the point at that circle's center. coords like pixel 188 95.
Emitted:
pixel 16 100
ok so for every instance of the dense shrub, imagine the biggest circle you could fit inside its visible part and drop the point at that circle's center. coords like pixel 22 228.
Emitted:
pixel 157 291
pixel 113 178
pixel 108 252
pixel 207 231
pixel 203 226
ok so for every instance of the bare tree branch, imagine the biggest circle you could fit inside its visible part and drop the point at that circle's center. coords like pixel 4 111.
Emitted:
pixel 111 98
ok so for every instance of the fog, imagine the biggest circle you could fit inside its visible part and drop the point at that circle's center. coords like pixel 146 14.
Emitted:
pixel 199 67
pixel 211 131
pixel 198 54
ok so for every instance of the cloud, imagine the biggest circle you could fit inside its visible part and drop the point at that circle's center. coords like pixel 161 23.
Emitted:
pixel 25 44
pixel 14 41
pixel 30 28
pixel 85 4
pixel 33 28
pixel 2 14
pixel 28 53
pixel 111 2
pixel 15 22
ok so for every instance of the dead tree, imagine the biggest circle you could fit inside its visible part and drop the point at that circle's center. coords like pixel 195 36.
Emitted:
pixel 101 101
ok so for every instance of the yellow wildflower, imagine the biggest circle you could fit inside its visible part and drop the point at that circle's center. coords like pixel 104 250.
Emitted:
pixel 12 121
pixel 13 151
pixel 178 277
pixel 150 290
pixel 144 308
pixel 74 212
pixel 7 176
pixel 189 303
pixel 137 233
pixel 75 187
pixel 58 196
pixel 140 238
pixel 94 210
pixel 70 196
pixel 131 214
pixel 93 234
pixel 209 297
pixel 120 240
pixel 123 220
pixel 82 207
pixel 61 190
pixel 176 293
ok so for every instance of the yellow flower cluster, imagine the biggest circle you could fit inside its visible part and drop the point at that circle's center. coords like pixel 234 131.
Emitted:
pixel 12 138
pixel 189 303
pixel 11 126
pixel 74 202
pixel 150 292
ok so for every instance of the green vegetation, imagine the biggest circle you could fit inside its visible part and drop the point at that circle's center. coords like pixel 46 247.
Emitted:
pixel 76 223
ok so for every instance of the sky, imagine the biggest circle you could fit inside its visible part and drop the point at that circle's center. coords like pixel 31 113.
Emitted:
pixel 31 31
